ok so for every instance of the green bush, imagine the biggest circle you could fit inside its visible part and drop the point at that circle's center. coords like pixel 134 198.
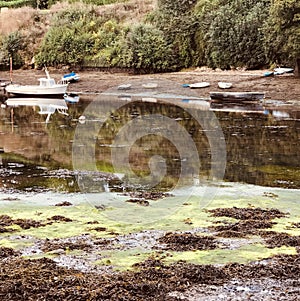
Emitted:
pixel 17 3
pixel 177 21
pixel 145 49
pixel 234 37
pixel 11 47
pixel 69 39
pixel 282 32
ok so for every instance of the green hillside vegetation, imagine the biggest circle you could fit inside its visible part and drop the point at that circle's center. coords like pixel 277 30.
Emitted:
pixel 153 36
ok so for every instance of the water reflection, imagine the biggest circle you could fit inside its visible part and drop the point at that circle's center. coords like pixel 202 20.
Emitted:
pixel 262 142
pixel 47 106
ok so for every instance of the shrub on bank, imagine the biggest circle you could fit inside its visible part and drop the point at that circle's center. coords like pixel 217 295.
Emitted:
pixel 234 37
pixel 177 34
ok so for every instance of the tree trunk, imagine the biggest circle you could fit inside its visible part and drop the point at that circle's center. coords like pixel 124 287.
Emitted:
pixel 297 68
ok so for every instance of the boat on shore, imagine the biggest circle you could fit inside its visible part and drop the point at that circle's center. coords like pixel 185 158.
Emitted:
pixel 47 87
pixel 281 70
pixel 224 85
pixel 71 77
pixel 199 85
pixel 237 96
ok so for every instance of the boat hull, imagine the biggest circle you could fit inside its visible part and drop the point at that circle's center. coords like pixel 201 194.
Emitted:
pixel 59 89
pixel 237 96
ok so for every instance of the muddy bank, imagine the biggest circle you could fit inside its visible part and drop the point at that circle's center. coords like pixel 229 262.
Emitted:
pixel 282 87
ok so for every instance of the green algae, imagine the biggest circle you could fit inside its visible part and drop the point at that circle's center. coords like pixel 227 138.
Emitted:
pixel 16 244
pixel 122 260
pixel 245 254
pixel 187 216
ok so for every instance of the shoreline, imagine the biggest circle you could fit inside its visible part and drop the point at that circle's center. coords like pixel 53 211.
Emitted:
pixel 280 87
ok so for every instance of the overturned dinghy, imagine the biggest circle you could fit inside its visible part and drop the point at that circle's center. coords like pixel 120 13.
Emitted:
pixel 237 96
pixel 224 85
pixel 199 85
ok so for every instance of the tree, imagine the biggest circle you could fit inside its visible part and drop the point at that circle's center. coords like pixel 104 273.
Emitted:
pixel 282 33
pixel 147 50
pixel 234 37
pixel 11 46
pixel 177 21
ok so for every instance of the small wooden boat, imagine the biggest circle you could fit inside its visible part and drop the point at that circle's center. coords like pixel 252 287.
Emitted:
pixel 224 85
pixel 199 85
pixel 237 96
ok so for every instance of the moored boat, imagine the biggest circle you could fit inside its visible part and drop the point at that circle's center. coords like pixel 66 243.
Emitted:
pixel 237 96
pixel 47 87
pixel 71 77
pixel 224 85
pixel 281 70
pixel 199 85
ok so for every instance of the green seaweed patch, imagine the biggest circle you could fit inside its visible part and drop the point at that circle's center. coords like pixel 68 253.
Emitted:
pixel 244 254
pixel 190 210
pixel 16 244
pixel 123 260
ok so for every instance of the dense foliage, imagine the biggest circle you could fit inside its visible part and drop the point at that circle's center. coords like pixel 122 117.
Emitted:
pixel 177 34
pixel 282 31
pixel 234 38
pixel 44 4
pixel 17 3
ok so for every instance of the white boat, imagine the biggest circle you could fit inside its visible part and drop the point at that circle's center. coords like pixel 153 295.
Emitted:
pixel 199 85
pixel 280 70
pixel 150 85
pixel 47 86
pixel 224 85
pixel 47 106
pixel 124 87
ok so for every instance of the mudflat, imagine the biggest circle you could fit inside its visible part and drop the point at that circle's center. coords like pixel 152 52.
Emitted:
pixel 285 87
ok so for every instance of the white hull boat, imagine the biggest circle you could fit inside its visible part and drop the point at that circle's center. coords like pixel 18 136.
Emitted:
pixel 199 85
pixel 150 85
pixel 47 86
pixel 224 85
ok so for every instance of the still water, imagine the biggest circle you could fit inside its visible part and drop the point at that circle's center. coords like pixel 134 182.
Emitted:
pixel 151 140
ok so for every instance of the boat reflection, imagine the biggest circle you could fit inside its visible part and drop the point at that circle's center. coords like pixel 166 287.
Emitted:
pixel 240 107
pixel 47 106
